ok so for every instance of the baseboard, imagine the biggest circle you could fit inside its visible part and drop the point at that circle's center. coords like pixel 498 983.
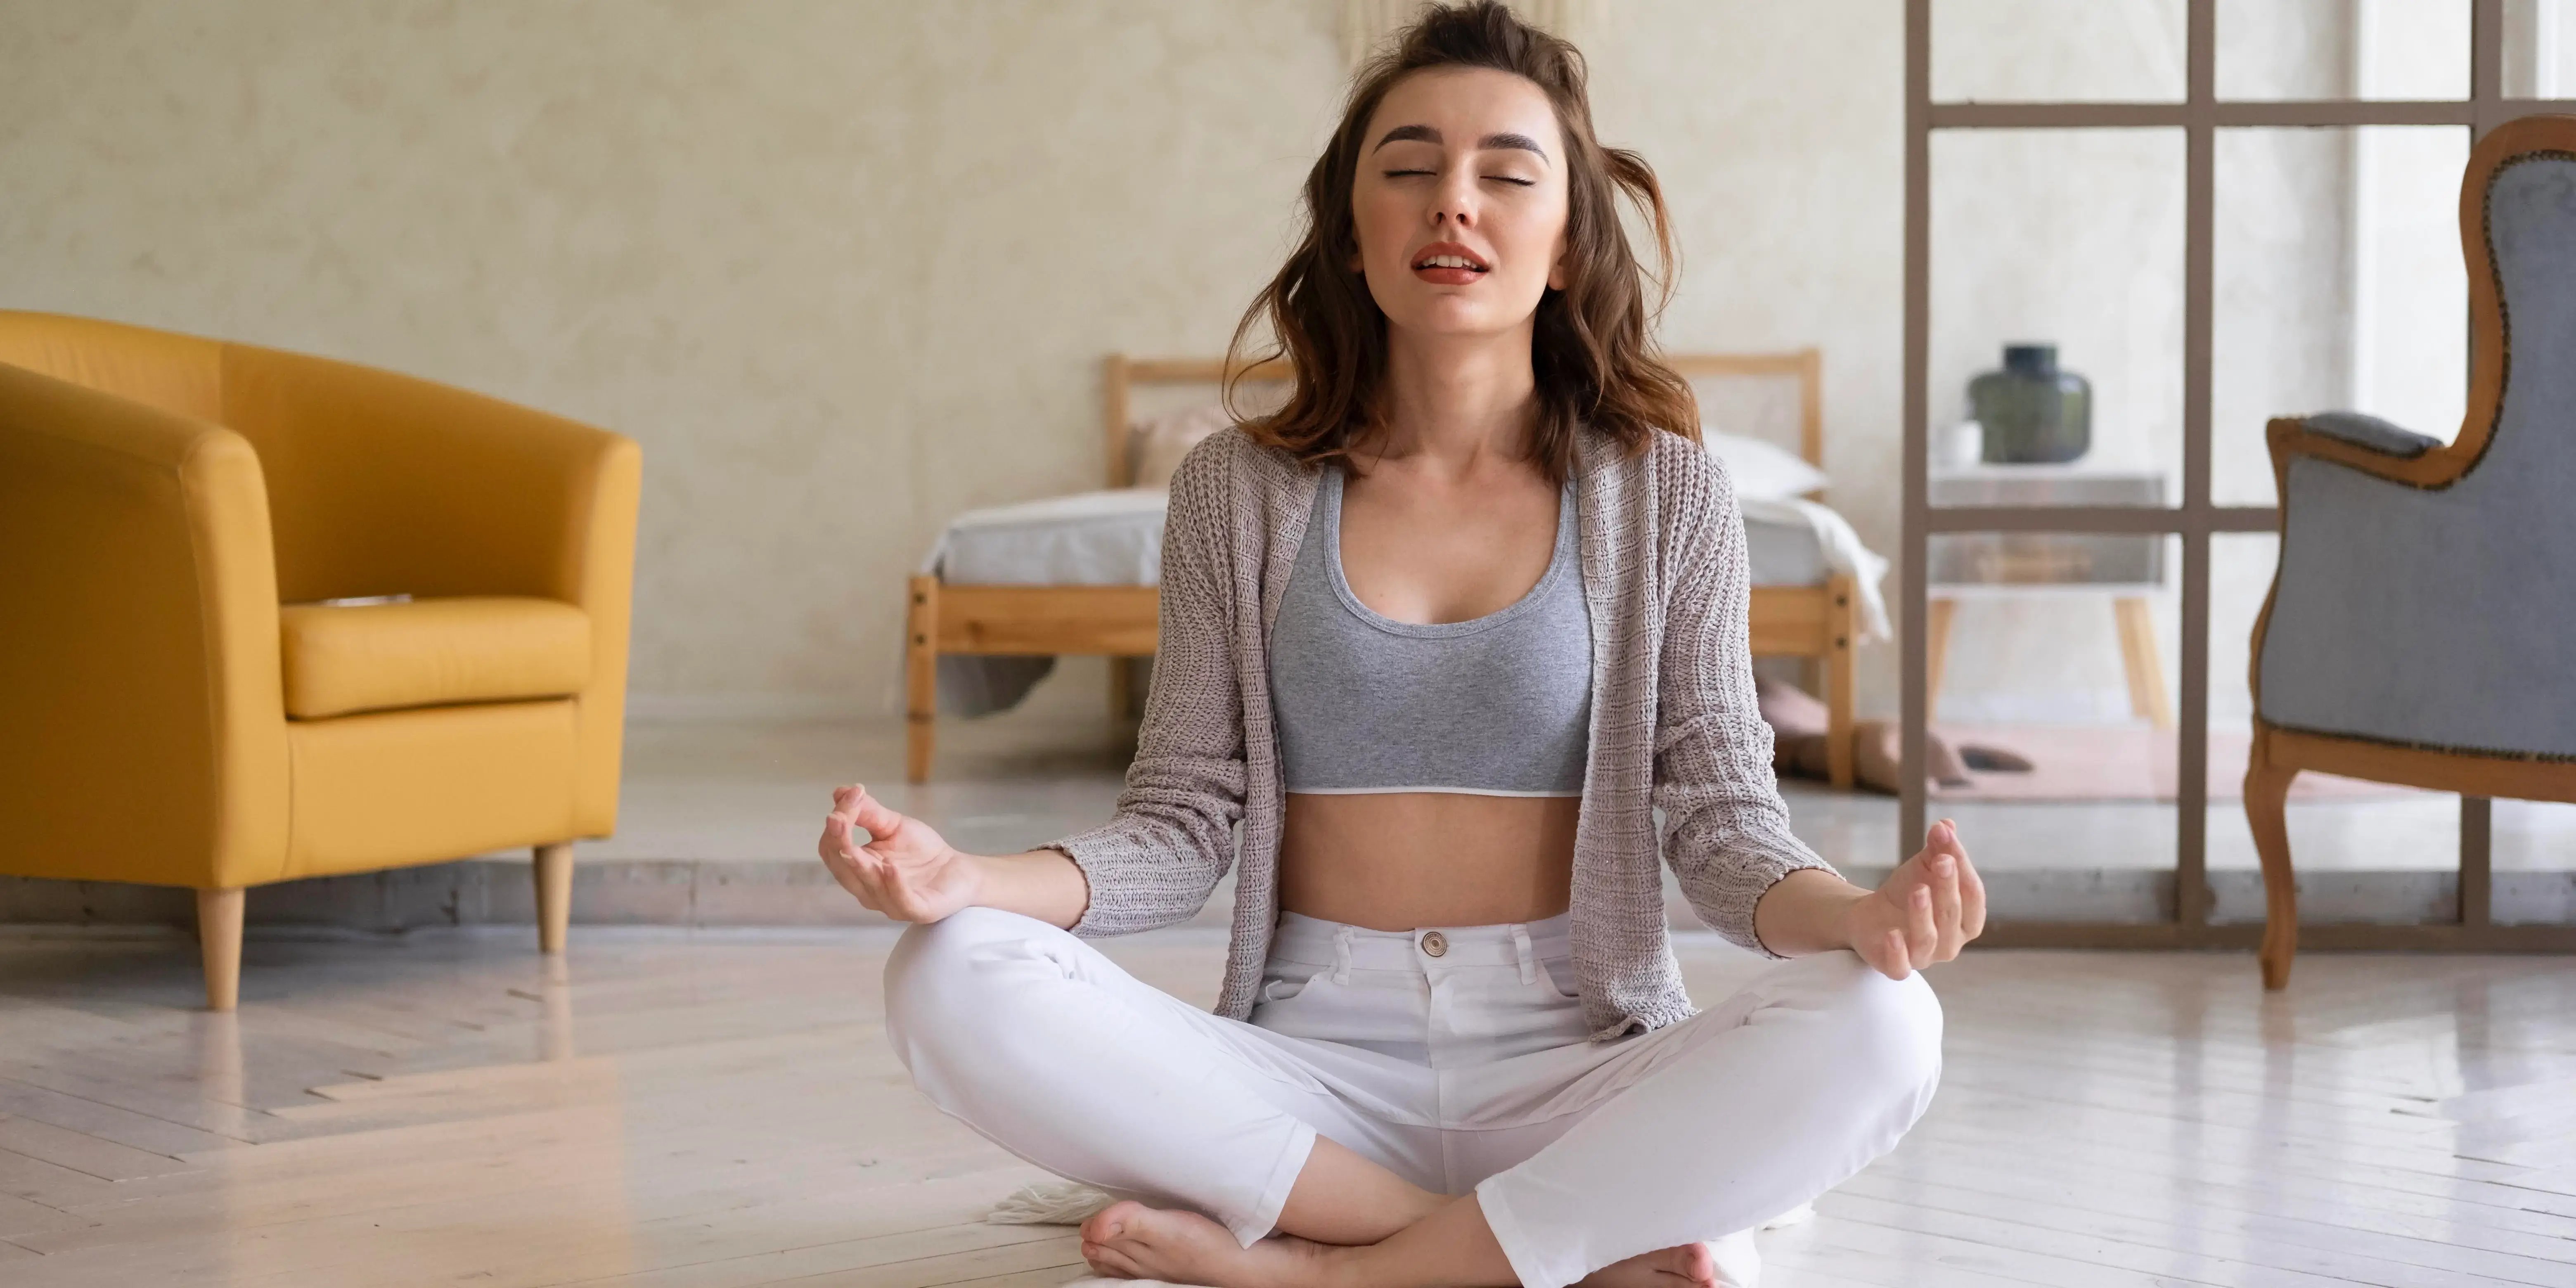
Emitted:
pixel 750 708
pixel 800 893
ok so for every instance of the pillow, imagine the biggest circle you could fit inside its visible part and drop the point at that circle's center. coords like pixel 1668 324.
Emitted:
pixel 1160 443
pixel 1763 469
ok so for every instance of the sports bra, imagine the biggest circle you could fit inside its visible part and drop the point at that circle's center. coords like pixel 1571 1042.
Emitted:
pixel 1498 705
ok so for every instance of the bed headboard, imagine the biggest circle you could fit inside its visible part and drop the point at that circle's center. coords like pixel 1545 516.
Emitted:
pixel 1121 375
pixel 1804 367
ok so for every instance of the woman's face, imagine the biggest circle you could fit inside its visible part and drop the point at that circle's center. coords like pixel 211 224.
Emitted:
pixel 1460 202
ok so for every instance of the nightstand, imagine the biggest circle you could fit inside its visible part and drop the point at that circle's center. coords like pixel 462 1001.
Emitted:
pixel 2123 567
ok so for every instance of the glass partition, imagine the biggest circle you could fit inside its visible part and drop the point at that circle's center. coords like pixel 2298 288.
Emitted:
pixel 2339 286
pixel 2056 318
pixel 2343 49
pixel 2051 51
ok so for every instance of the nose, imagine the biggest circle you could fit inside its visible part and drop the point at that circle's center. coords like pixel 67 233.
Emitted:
pixel 1454 204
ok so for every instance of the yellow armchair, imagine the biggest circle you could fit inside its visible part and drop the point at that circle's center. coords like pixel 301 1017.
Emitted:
pixel 176 706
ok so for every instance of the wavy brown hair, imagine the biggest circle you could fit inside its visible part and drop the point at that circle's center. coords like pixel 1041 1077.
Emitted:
pixel 1590 354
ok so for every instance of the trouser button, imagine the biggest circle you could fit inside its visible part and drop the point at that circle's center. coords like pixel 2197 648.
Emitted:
pixel 1435 943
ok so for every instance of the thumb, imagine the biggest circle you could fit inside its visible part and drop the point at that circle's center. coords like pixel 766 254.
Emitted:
pixel 871 814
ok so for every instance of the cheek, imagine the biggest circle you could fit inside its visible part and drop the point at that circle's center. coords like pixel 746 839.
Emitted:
pixel 1381 220
pixel 1532 238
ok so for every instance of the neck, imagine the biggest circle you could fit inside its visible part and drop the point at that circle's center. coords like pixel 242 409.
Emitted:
pixel 1460 401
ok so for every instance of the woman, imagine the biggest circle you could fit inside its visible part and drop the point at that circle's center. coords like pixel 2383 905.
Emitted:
pixel 1441 636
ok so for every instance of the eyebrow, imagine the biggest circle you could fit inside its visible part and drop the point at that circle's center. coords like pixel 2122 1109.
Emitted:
pixel 1426 134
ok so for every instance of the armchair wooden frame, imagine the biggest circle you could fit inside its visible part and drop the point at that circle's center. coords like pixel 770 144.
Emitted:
pixel 2279 753
pixel 1815 622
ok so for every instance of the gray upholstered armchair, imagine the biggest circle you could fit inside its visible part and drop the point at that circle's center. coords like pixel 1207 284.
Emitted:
pixel 2422 623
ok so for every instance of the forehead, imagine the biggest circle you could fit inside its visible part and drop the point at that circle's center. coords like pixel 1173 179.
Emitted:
pixel 1466 104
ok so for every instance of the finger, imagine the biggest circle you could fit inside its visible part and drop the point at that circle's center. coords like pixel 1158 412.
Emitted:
pixel 838 846
pixel 1883 953
pixel 842 796
pixel 838 859
pixel 1922 936
pixel 1972 901
pixel 870 813
pixel 1893 959
pixel 867 865
pixel 897 885
pixel 1946 907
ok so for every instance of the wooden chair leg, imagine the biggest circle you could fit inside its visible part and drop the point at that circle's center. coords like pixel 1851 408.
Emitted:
pixel 219 941
pixel 554 895
pixel 2145 666
pixel 1839 672
pixel 1122 685
pixel 921 677
pixel 2267 788
pixel 1936 650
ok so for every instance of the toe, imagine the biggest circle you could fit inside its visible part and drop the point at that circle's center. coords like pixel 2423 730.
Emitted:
pixel 1111 1222
pixel 1701 1262
pixel 1109 1261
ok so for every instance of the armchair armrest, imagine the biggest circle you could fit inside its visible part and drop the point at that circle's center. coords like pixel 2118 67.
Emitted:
pixel 2373 446
pixel 142 731
pixel 2363 430
pixel 383 483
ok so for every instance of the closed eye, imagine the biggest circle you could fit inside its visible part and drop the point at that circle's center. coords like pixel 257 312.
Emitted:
pixel 1393 173
pixel 1513 178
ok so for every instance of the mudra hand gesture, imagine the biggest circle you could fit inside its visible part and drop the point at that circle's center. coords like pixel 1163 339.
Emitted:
pixel 904 870
pixel 1926 910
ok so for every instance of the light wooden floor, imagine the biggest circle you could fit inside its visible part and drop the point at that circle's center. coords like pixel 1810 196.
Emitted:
pixel 710 1110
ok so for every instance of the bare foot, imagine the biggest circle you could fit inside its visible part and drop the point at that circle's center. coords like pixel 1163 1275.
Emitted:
pixel 1692 1265
pixel 1129 1240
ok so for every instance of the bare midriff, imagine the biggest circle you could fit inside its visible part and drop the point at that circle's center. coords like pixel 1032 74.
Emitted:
pixel 1407 860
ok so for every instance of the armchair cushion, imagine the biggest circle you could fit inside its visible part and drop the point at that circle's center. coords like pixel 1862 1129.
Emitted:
pixel 2363 430
pixel 341 659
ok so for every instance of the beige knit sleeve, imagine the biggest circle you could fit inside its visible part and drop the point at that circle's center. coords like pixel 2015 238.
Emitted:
pixel 1159 858
pixel 1726 830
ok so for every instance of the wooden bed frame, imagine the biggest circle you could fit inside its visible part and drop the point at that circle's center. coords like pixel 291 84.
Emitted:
pixel 1813 622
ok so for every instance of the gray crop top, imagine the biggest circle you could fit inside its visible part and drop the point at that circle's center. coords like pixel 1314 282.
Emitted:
pixel 1499 705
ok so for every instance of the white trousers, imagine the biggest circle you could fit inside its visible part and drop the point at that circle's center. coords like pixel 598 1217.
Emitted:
pixel 1455 1058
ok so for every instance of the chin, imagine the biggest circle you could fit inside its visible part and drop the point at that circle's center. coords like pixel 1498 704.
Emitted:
pixel 1457 319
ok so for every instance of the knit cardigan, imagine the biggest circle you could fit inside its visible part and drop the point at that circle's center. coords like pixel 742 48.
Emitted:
pixel 1673 725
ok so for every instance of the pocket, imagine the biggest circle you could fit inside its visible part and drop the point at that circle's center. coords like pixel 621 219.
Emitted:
pixel 1281 981
pixel 1557 974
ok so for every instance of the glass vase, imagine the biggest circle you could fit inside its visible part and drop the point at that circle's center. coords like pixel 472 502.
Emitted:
pixel 2032 412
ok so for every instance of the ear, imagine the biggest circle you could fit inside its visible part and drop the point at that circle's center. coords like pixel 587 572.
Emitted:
pixel 1556 274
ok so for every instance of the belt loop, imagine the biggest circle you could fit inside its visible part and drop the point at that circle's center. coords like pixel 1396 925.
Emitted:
pixel 1342 936
pixel 1529 959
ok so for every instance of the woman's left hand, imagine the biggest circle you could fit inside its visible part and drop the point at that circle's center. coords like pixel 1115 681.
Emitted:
pixel 1927 909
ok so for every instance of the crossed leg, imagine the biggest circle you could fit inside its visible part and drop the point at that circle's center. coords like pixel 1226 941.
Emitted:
pixel 1218 1136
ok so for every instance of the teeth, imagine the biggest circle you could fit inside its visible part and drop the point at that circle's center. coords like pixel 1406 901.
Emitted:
pixel 1447 261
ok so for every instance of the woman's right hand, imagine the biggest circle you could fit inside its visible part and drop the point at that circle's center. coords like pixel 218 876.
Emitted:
pixel 905 870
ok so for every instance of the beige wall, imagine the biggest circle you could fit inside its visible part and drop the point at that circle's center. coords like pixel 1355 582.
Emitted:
pixel 846 267
pixel 842 267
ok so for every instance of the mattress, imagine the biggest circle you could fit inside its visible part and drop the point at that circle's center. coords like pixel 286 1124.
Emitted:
pixel 1115 538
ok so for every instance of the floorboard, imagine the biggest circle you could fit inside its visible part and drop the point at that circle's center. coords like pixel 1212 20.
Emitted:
pixel 691 1110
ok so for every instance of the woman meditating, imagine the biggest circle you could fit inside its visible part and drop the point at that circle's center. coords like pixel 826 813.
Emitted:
pixel 1441 636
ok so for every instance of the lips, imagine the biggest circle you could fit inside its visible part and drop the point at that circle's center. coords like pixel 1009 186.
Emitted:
pixel 1449 264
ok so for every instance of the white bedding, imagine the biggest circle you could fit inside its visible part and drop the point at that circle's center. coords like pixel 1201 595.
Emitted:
pixel 1115 538
pixel 1111 538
